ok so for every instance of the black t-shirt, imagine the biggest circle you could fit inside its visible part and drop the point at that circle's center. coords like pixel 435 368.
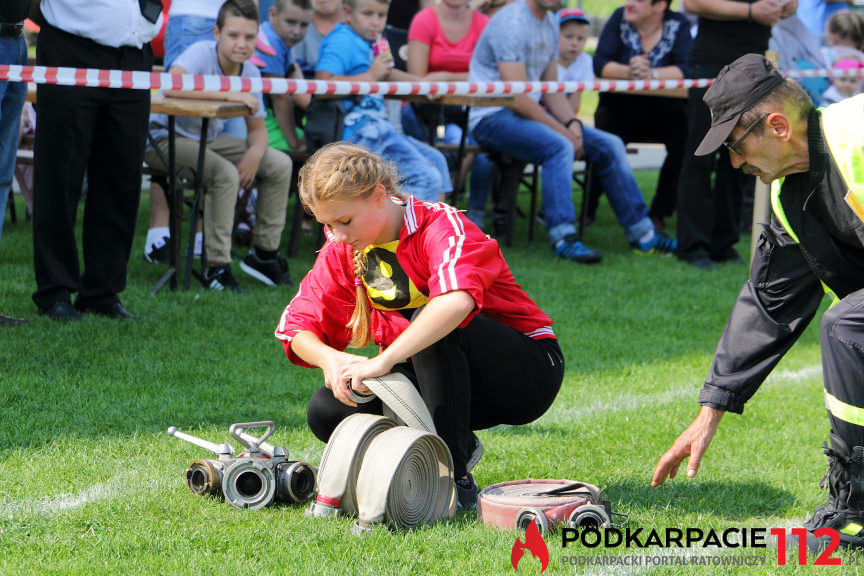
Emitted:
pixel 14 11
pixel 402 12
pixel 721 42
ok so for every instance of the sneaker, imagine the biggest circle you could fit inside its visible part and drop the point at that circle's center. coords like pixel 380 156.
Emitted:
pixel 466 493
pixel 272 272
pixel 659 243
pixel 220 278
pixel 158 255
pixel 571 249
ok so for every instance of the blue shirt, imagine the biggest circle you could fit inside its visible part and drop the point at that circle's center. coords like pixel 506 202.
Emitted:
pixel 282 64
pixel 346 53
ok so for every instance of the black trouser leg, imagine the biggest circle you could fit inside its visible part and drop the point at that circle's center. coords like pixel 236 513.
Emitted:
pixel 113 195
pixel 695 192
pixel 671 125
pixel 477 377
pixel 842 334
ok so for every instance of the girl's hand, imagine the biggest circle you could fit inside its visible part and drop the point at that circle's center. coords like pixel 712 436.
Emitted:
pixel 333 367
pixel 356 372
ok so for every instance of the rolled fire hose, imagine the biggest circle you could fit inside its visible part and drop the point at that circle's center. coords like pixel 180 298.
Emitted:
pixel 383 472
pixel 513 505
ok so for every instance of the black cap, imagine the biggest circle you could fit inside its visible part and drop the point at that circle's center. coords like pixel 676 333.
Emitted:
pixel 737 88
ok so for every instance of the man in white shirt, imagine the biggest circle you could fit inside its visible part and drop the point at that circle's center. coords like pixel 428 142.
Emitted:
pixel 100 131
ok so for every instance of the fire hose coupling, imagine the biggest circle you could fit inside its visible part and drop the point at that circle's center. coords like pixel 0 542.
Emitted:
pixel 547 503
pixel 259 477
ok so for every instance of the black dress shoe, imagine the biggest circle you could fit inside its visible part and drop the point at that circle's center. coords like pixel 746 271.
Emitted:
pixel 114 310
pixel 63 311
pixel 727 256
pixel 10 321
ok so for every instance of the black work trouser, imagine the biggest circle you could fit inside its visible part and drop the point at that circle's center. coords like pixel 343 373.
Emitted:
pixel 650 119
pixel 842 335
pixel 708 212
pixel 476 377
pixel 101 131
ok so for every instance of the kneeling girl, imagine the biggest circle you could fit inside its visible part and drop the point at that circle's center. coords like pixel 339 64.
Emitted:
pixel 432 291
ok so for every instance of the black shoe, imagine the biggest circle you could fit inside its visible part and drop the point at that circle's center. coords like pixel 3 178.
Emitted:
pixel 466 492
pixel 698 259
pixel 272 272
pixel 114 310
pixel 844 509
pixel 727 256
pixel 61 311
pixel 220 278
pixel 158 255
pixel 10 321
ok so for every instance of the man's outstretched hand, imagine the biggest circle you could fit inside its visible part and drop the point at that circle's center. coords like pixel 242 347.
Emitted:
pixel 693 442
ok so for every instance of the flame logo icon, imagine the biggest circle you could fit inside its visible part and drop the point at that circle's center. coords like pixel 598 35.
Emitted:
pixel 534 543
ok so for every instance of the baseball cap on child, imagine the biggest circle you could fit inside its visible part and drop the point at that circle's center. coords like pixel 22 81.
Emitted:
pixel 572 15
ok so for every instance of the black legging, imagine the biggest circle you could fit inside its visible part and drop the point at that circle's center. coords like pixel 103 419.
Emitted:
pixel 476 377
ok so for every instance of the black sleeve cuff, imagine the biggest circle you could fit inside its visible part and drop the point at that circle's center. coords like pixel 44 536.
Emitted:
pixel 720 399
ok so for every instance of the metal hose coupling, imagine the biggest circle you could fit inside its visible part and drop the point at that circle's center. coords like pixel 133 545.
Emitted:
pixel 262 475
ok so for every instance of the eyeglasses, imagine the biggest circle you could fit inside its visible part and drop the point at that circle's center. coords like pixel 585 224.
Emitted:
pixel 734 145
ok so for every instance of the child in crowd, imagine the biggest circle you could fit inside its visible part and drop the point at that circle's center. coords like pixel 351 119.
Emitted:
pixel 347 54
pixel 389 274
pixel 842 88
pixel 230 161
pixel 574 65
pixel 287 25
pixel 326 15
pixel 844 28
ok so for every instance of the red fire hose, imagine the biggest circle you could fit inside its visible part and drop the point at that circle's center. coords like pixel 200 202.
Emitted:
pixel 517 503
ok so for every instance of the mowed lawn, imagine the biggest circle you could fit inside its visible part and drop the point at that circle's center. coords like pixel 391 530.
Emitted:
pixel 91 484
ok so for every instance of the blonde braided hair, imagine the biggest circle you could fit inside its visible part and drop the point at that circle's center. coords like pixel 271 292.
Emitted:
pixel 342 171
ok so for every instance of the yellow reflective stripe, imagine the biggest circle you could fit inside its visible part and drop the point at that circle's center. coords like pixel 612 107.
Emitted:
pixel 777 206
pixel 853 199
pixel 843 411
pixel 851 529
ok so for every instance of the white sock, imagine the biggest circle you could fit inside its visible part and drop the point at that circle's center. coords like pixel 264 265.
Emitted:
pixel 156 238
pixel 647 237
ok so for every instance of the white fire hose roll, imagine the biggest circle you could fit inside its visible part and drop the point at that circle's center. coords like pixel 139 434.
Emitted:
pixel 401 475
pixel 341 461
pixel 406 479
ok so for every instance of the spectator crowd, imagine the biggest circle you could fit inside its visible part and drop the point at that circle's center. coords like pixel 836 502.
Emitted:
pixel 91 145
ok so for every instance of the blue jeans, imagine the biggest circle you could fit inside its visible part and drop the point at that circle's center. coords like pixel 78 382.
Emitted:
pixel 423 171
pixel 482 170
pixel 181 32
pixel 12 98
pixel 530 141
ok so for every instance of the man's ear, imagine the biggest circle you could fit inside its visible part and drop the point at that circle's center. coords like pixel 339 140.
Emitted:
pixel 216 32
pixel 778 125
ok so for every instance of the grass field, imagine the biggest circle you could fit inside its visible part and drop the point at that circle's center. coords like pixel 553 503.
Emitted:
pixel 91 484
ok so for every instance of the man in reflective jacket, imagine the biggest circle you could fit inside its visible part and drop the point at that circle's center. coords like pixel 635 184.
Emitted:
pixel 814 244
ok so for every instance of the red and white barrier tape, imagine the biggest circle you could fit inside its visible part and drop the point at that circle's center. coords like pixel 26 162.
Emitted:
pixel 195 83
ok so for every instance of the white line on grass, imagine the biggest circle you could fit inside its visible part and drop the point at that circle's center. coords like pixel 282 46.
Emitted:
pixel 626 402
